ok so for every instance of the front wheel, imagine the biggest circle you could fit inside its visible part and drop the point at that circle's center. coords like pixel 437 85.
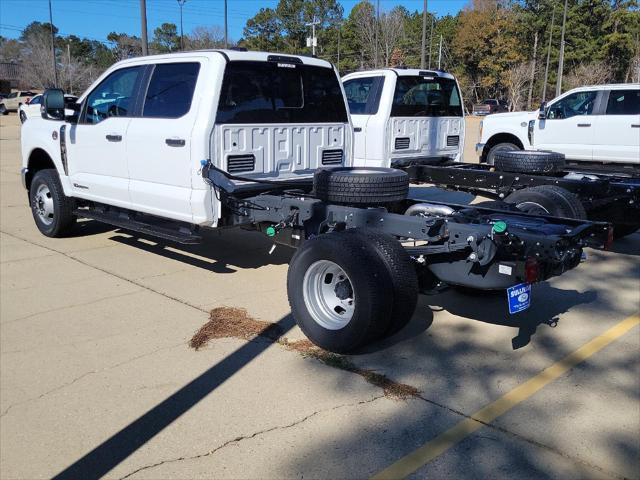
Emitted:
pixel 500 147
pixel 51 209
pixel 340 291
pixel 3 109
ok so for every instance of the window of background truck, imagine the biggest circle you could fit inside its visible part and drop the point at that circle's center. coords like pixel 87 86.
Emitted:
pixel 37 100
pixel 273 92
pixel 578 103
pixel 363 95
pixel 170 90
pixel 426 97
pixel 624 102
pixel 12 95
pixel 114 96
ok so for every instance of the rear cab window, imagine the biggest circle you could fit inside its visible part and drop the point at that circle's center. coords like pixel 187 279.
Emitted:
pixel 277 92
pixel 424 96
pixel 363 95
pixel 623 102
pixel 170 90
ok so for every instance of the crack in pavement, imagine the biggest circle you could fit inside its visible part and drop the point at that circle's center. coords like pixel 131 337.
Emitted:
pixel 44 312
pixel 86 374
pixel 87 264
pixel 249 436
pixel 518 436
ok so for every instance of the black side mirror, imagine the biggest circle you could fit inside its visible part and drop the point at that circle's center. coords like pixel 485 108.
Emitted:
pixel 52 104
pixel 542 114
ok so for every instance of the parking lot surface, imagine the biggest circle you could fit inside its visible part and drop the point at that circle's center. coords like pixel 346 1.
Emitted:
pixel 97 376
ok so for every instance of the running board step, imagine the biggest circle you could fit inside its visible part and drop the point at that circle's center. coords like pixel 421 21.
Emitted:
pixel 119 218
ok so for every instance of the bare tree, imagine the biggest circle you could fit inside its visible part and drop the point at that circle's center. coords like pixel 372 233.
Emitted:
pixel 36 63
pixel 515 81
pixel 391 32
pixel 365 20
pixel 205 37
pixel 593 73
pixel 634 69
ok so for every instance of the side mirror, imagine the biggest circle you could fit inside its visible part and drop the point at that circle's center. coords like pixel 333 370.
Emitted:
pixel 52 104
pixel 542 114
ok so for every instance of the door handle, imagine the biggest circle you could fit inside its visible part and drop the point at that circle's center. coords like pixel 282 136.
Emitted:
pixel 635 125
pixel 174 142
pixel 357 129
pixel 584 124
pixel 114 138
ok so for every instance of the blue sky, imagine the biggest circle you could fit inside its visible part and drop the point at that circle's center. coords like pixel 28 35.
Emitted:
pixel 96 18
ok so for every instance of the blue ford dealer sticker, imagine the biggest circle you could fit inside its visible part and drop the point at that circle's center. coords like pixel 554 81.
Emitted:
pixel 519 297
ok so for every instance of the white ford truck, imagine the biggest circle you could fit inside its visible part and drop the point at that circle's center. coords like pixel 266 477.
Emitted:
pixel 599 124
pixel 171 145
pixel 403 116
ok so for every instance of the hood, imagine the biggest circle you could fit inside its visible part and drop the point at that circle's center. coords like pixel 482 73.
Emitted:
pixel 524 115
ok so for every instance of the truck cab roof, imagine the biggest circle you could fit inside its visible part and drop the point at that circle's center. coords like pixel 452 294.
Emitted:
pixel 402 72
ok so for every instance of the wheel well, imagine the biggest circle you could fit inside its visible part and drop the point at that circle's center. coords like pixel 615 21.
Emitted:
pixel 499 138
pixel 38 160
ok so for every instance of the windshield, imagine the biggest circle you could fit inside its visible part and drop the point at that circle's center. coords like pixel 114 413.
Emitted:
pixel 426 97
pixel 273 92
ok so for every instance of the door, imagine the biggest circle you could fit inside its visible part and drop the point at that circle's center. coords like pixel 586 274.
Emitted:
pixel 159 143
pixel 363 96
pixel 33 108
pixel 617 138
pixel 96 154
pixel 569 127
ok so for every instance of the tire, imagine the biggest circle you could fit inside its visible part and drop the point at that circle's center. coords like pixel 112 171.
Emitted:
pixel 353 269
pixel 3 109
pixel 524 161
pixel 23 116
pixel 404 279
pixel 51 209
pixel 361 186
pixel 500 147
pixel 548 200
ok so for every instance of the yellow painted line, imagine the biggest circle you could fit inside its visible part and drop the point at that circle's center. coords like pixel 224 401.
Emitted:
pixel 432 449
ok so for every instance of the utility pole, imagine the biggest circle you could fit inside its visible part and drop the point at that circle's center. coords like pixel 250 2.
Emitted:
pixel 546 69
pixel 226 29
pixel 440 53
pixel 375 60
pixel 533 70
pixel 424 34
pixel 53 49
pixel 143 20
pixel 181 3
pixel 69 67
pixel 339 31
pixel 313 41
pixel 561 59
pixel 431 40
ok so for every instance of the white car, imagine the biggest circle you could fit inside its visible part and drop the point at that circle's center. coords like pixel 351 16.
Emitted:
pixel 589 124
pixel 403 116
pixel 32 108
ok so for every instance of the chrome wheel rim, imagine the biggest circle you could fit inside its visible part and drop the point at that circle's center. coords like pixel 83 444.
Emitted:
pixel 328 295
pixel 43 204
pixel 533 208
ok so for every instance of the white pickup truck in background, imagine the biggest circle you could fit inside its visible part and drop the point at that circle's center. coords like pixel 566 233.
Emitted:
pixel 403 116
pixel 588 124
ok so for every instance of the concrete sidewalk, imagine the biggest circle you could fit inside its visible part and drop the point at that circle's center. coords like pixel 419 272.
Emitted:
pixel 97 378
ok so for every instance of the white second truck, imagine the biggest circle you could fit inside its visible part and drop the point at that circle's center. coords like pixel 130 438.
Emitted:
pixel 403 116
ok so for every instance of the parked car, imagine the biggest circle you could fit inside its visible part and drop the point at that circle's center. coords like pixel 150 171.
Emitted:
pixel 589 124
pixel 404 115
pixel 170 145
pixel 32 108
pixel 490 106
pixel 14 100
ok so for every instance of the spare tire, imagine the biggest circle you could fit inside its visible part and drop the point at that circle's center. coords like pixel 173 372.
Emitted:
pixel 361 186
pixel 527 161
pixel 548 200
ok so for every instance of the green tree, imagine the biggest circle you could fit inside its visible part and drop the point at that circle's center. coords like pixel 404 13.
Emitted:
pixel 165 39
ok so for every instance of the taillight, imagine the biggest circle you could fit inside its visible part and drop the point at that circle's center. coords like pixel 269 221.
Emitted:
pixel 609 241
pixel 531 270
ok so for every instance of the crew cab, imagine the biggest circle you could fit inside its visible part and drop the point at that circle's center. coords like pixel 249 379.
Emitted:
pixel 175 144
pixel 403 115
pixel 599 124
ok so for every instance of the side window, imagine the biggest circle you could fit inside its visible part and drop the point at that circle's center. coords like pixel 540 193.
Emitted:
pixel 578 103
pixel 623 102
pixel 171 90
pixel 363 95
pixel 114 97
pixel 36 100
pixel 13 95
